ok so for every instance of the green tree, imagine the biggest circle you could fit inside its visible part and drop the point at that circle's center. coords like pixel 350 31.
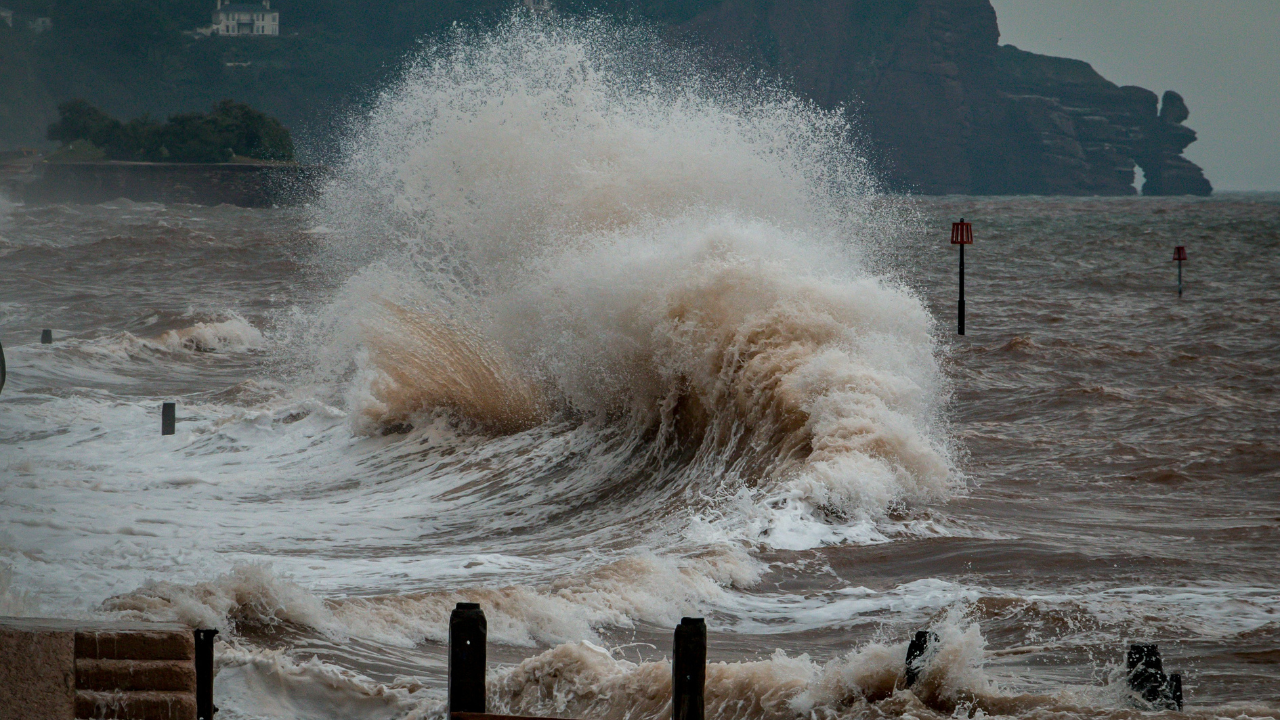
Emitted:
pixel 230 128
pixel 195 138
pixel 250 133
pixel 78 120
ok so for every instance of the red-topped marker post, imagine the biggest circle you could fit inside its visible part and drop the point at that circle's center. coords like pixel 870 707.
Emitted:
pixel 1180 254
pixel 962 234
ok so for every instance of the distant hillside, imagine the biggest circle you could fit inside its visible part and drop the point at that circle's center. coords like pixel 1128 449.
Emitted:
pixel 131 57
pixel 945 108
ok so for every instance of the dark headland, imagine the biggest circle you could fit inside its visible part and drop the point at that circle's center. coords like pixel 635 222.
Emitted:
pixel 944 107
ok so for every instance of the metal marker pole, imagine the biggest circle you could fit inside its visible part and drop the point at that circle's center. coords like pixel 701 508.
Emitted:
pixel 960 307
pixel 1179 278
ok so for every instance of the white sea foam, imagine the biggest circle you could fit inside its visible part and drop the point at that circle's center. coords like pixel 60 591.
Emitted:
pixel 553 238
pixel 234 334
pixel 582 679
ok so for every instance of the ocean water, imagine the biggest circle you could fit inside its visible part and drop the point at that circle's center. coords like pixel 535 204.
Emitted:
pixel 598 341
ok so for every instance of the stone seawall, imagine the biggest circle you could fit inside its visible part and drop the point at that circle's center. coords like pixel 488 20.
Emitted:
pixel 196 184
pixel 69 669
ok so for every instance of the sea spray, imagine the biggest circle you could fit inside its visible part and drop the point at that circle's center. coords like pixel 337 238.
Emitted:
pixel 571 228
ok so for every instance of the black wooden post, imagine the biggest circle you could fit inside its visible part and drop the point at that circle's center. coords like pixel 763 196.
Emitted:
pixel 1180 254
pixel 2 367
pixel 689 670
pixel 168 418
pixel 1174 687
pixel 46 337
pixel 204 675
pixel 468 632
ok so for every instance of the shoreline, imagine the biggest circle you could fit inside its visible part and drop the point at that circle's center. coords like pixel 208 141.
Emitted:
pixel 251 185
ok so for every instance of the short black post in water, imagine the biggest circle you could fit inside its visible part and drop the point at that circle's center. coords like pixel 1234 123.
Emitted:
pixel 1180 254
pixel 168 418
pixel 915 652
pixel 1174 689
pixel 204 675
pixel 961 234
pixel 468 632
pixel 689 670
pixel 46 337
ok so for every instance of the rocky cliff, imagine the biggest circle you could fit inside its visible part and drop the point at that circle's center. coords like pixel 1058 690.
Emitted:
pixel 946 109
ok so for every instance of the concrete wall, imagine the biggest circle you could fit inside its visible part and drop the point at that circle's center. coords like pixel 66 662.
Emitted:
pixel 196 184
pixel 69 670
pixel 37 670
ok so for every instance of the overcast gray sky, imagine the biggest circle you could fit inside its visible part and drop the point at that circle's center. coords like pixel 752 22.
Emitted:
pixel 1223 56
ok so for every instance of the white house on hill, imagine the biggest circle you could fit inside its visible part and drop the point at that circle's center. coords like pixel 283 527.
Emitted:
pixel 246 19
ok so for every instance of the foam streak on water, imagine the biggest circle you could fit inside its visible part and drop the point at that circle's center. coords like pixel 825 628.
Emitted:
pixel 597 339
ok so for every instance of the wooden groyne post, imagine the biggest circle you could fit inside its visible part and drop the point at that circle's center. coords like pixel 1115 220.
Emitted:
pixel 689 670
pixel 468 632
pixel 204 674
pixel 168 418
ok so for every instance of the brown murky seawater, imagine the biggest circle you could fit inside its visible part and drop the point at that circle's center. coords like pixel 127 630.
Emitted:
pixel 590 336
pixel 1118 447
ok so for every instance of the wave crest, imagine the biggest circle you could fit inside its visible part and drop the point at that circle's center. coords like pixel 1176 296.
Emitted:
pixel 690 256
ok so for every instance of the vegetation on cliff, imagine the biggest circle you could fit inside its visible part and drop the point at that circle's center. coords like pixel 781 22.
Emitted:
pixel 230 130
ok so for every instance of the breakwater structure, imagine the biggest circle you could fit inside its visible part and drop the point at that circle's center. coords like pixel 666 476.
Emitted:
pixel 240 184
pixel 1151 688
pixel 53 669
pixel 68 669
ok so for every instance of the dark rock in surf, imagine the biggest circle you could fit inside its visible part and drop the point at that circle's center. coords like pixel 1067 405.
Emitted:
pixel 1148 680
pixel 916 650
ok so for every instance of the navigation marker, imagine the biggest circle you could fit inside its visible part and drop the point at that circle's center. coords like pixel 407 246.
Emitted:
pixel 962 234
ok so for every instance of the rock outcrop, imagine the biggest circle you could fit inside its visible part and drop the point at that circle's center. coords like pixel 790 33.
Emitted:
pixel 946 109
pixel 1168 173
pixel 1072 132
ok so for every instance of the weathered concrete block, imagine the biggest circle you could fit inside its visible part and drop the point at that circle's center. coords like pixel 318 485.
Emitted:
pixel 136 641
pixel 84 670
pixel 111 675
pixel 92 705
pixel 37 670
